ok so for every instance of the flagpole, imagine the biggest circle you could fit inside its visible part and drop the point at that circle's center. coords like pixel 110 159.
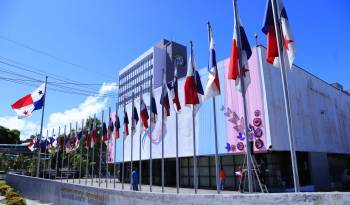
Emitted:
pixel 124 133
pixel 150 137
pixel 100 162
pixel 93 149
pixel 63 149
pixel 107 146
pixel 57 150
pixel 50 162
pixel 283 71
pixel 217 162
pixel 194 152
pixel 115 145
pixel 47 134
pixel 81 148
pixel 132 137
pixel 75 149
pixel 164 80
pixel 140 141
pixel 87 146
pixel 177 155
pixel 41 130
pixel 69 144
pixel 194 138
pixel 177 136
pixel 243 91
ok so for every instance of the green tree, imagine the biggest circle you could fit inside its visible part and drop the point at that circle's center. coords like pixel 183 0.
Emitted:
pixel 8 136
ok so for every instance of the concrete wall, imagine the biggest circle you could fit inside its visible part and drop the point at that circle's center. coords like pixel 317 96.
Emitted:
pixel 320 112
pixel 63 193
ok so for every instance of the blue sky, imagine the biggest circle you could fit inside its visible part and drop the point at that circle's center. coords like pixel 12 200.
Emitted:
pixel 90 40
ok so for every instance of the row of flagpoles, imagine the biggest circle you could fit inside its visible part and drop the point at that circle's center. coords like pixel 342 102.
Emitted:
pixel 279 43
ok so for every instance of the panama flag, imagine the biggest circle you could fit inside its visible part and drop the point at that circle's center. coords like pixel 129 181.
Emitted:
pixel 153 109
pixel 31 146
pixel 234 72
pixel 33 101
pixel 143 113
pixel 173 92
pixel 164 100
pixel 126 124
pixel 269 29
pixel 213 84
pixel 193 86
pixel 117 126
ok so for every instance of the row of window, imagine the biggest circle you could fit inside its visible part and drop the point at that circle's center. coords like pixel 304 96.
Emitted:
pixel 127 96
pixel 137 69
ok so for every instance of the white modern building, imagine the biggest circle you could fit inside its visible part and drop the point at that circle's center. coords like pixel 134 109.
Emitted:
pixel 320 123
pixel 148 68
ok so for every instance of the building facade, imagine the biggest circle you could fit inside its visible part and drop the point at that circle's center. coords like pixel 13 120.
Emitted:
pixel 320 117
pixel 147 69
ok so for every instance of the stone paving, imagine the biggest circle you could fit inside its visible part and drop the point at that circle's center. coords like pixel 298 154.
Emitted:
pixel 145 188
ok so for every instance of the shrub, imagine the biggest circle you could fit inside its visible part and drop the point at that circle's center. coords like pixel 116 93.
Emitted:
pixel 5 188
pixel 16 201
pixel 11 194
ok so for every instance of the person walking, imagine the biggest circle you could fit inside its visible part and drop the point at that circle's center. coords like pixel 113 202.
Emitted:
pixel 222 178
pixel 134 180
pixel 240 178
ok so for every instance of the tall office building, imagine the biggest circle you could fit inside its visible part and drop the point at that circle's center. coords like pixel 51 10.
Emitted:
pixel 136 77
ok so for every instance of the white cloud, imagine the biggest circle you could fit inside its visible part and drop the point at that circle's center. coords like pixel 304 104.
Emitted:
pixel 107 88
pixel 26 127
pixel 90 106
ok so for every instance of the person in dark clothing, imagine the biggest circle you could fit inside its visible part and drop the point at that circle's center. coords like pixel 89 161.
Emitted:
pixel 134 180
pixel 262 167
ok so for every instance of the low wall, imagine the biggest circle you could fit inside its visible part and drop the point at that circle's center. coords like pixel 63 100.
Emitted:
pixel 61 193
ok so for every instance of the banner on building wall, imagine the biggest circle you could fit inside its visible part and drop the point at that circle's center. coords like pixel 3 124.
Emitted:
pixel 234 114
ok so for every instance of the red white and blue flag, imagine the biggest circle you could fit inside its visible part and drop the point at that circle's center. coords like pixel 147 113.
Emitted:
pixel 164 100
pixel 33 101
pixel 174 93
pixel 135 120
pixel 110 128
pixel 213 84
pixel 154 112
pixel 94 134
pixel 117 126
pixel 51 142
pixel 104 132
pixel 288 43
pixel 126 124
pixel 88 142
pixel 79 136
pixel 31 146
pixel 193 85
pixel 234 71
pixel 143 113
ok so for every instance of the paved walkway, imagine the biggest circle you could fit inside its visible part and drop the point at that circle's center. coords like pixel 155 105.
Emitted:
pixel 1 198
pixel 32 202
pixel 145 188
